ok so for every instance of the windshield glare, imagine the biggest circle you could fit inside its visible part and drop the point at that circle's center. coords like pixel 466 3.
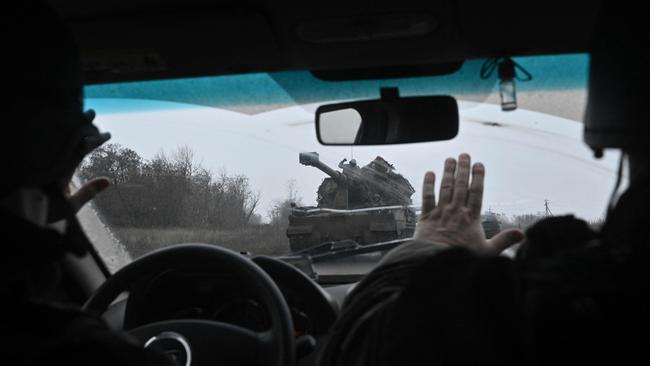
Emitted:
pixel 216 160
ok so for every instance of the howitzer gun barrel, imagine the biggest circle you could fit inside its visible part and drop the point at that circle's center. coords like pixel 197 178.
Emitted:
pixel 312 159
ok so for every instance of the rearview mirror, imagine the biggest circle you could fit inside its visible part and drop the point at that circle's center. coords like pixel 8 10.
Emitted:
pixel 389 120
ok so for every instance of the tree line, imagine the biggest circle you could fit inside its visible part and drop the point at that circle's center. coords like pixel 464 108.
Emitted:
pixel 524 221
pixel 169 190
pixel 173 190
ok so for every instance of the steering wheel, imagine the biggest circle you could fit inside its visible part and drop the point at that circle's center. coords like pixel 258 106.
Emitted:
pixel 204 342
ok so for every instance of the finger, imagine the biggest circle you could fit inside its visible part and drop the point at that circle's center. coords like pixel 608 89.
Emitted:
pixel 462 180
pixel 505 239
pixel 475 198
pixel 447 183
pixel 94 141
pixel 88 191
pixel 89 114
pixel 428 193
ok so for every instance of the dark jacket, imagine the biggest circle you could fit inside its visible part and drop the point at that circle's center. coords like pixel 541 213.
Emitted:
pixel 571 295
pixel 42 320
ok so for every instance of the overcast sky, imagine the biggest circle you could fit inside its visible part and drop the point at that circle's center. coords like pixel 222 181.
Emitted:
pixel 531 157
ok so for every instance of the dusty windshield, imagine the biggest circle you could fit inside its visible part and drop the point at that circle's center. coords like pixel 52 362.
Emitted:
pixel 229 160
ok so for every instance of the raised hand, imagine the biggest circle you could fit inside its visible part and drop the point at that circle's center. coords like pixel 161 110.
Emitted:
pixel 456 218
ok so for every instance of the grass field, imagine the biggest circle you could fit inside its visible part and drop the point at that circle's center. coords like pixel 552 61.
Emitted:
pixel 262 239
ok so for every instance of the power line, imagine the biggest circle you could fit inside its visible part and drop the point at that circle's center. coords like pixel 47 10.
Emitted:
pixel 547 209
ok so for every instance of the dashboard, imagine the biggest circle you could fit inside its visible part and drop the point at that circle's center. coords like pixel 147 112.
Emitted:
pixel 194 294
pixel 211 294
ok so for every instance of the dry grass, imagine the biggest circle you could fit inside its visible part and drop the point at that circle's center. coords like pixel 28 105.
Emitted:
pixel 263 239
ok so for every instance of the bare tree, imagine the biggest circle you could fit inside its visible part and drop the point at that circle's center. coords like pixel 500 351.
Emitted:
pixel 281 209
pixel 184 159
pixel 170 190
pixel 253 201
pixel 292 190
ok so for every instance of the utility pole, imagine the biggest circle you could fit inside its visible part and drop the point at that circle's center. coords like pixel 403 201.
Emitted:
pixel 547 210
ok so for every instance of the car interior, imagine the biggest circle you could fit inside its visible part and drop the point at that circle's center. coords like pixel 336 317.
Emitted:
pixel 249 308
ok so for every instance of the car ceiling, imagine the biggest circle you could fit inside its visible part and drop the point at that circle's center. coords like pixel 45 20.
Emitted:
pixel 129 40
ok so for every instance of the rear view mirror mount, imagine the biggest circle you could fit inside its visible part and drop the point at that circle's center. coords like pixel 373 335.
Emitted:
pixel 389 120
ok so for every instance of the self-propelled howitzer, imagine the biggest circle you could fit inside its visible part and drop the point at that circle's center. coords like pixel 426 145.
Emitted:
pixel 365 204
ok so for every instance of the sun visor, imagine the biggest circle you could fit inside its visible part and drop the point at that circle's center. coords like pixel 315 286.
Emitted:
pixel 179 45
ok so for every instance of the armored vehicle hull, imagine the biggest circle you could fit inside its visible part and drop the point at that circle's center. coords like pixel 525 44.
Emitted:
pixel 312 226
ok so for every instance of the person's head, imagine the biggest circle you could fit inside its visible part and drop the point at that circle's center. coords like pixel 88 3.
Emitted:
pixel 46 131
pixel 616 115
pixel 456 309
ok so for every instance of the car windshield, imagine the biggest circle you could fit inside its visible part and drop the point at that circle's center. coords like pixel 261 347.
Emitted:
pixel 216 160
